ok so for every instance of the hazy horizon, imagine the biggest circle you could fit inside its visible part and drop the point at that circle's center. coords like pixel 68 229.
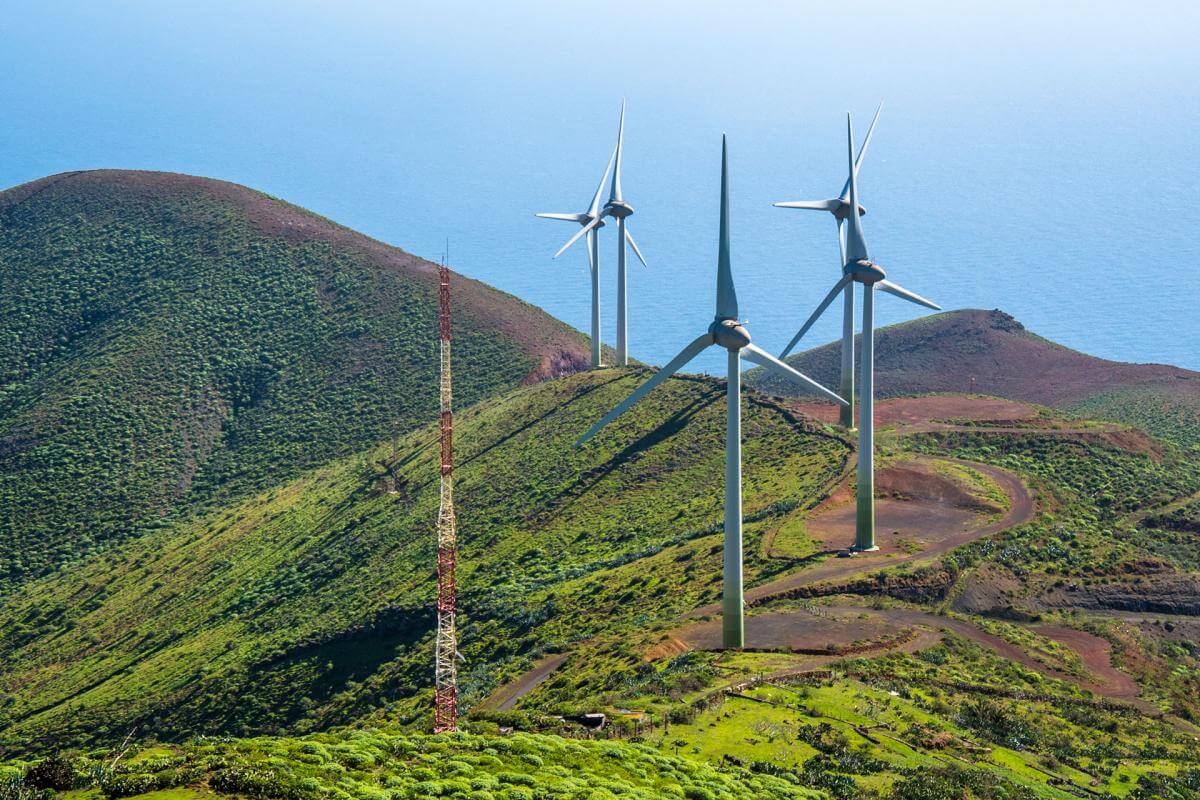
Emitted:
pixel 1024 159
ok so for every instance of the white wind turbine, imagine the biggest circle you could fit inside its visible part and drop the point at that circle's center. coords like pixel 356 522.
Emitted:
pixel 591 221
pixel 728 332
pixel 617 208
pixel 858 268
pixel 839 207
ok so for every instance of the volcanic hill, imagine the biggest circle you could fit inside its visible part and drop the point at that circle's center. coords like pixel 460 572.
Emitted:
pixel 991 353
pixel 168 341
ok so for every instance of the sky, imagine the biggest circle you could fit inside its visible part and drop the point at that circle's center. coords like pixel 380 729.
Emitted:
pixel 1040 158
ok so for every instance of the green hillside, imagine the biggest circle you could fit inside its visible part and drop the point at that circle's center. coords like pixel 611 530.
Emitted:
pixel 309 605
pixel 168 342
pixel 1015 666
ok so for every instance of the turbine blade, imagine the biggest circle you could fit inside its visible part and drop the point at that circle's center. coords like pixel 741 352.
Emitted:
pixel 567 217
pixel 911 297
pixel 673 366
pixel 856 243
pixel 727 304
pixel 834 292
pixel 578 234
pixel 816 205
pixel 591 262
pixel 633 244
pixel 841 234
pixel 753 352
pixel 614 192
pixel 862 151
pixel 594 208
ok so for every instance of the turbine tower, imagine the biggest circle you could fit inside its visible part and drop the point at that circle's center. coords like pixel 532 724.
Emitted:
pixel 585 219
pixel 725 331
pixel 859 268
pixel 445 671
pixel 839 207
pixel 617 208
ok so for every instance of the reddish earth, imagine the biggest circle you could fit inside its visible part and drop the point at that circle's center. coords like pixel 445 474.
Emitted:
pixel 938 541
pixel 1096 655
pixel 917 410
pixel 983 415
pixel 864 630
pixel 916 508
pixel 980 352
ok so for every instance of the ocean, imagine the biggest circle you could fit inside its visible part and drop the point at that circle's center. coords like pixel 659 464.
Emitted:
pixel 1043 161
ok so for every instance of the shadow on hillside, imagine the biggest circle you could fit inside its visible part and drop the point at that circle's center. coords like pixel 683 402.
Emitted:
pixel 669 427
pixel 539 419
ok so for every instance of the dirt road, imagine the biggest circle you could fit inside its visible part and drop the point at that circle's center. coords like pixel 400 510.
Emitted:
pixel 510 693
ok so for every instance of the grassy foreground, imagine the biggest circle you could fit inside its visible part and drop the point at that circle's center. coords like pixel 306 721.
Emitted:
pixel 378 765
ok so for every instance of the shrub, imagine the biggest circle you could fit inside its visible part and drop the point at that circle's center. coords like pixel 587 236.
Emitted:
pixel 56 772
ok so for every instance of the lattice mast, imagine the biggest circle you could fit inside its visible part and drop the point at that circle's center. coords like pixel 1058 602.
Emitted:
pixel 445 714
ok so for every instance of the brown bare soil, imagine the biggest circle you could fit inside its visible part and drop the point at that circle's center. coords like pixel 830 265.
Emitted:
pixel 1096 655
pixel 1165 593
pixel 842 631
pixel 907 411
pixel 938 533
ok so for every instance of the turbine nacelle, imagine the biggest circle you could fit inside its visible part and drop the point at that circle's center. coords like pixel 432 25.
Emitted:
pixel 842 211
pixel 864 271
pixel 730 334
pixel 617 209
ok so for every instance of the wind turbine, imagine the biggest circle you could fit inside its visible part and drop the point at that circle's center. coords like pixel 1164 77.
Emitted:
pixel 591 220
pixel 839 207
pixel 617 208
pixel 725 331
pixel 858 268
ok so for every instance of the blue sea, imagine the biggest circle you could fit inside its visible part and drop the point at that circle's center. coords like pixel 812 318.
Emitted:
pixel 1039 160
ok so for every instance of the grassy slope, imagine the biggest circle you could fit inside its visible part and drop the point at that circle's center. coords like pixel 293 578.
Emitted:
pixel 167 341
pixel 386 765
pixel 561 575
pixel 989 352
pixel 310 604
pixel 958 701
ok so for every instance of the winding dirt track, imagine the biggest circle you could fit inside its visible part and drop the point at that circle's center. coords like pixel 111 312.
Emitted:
pixel 798 630
pixel 1021 510
pixel 910 416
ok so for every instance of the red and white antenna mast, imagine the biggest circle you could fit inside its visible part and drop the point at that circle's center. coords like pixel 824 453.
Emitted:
pixel 445 672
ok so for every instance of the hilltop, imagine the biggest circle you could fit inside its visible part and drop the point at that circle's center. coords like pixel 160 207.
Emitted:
pixel 169 343
pixel 991 353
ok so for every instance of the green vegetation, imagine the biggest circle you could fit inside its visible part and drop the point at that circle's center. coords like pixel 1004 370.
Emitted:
pixel 218 483
pixel 309 605
pixel 381 765
pixel 1169 412
pixel 169 343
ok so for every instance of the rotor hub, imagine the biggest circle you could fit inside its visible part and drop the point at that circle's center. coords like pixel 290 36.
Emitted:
pixel 864 271
pixel 729 333
pixel 842 212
